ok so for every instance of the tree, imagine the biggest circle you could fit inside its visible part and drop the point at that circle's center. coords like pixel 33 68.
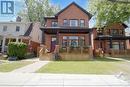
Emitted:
pixel 107 12
pixel 35 10
pixel 121 1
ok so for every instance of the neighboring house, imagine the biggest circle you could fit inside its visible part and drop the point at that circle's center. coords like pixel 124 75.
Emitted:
pixel 19 32
pixel 112 37
pixel 68 28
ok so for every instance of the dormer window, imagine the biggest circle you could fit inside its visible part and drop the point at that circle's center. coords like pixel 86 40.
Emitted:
pixel 54 24
pixel 74 23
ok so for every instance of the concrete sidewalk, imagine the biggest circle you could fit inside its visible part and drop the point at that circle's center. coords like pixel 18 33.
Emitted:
pixel 31 67
pixel 59 80
pixel 120 59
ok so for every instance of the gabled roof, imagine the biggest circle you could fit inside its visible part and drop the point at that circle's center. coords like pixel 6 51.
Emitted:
pixel 73 3
pixel 29 30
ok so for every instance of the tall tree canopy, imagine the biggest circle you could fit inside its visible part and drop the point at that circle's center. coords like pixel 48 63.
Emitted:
pixel 35 10
pixel 107 12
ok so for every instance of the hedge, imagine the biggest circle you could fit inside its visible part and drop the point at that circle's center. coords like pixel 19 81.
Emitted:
pixel 17 49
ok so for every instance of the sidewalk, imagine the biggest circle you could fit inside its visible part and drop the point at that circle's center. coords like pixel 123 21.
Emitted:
pixel 120 59
pixel 31 67
pixel 59 80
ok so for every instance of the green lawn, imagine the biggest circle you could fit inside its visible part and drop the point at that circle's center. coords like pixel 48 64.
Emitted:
pixel 10 66
pixel 98 66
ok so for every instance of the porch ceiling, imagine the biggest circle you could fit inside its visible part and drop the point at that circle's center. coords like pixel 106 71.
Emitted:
pixel 54 30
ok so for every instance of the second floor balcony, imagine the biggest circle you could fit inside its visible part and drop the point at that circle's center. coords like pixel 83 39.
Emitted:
pixel 112 32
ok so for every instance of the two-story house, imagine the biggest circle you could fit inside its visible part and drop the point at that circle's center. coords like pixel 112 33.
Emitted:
pixel 19 32
pixel 112 38
pixel 68 28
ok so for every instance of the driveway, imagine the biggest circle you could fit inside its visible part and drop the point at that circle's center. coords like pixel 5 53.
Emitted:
pixel 59 80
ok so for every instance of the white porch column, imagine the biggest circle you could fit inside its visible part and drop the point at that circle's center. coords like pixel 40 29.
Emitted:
pixel 17 39
pixel 21 40
pixel 3 45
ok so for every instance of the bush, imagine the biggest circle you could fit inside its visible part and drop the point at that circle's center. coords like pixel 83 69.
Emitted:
pixel 17 49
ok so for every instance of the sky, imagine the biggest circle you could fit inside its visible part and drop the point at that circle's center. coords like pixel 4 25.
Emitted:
pixel 19 6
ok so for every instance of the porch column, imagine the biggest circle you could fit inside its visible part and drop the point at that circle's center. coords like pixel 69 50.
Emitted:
pixel 111 50
pixel 43 38
pixel 3 45
pixel 21 40
pixel 111 43
pixel 57 38
pixel 90 45
pixel 17 39
pixel 100 42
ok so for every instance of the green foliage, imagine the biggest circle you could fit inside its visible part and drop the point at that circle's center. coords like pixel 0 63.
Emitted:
pixel 18 50
pixel 36 10
pixel 107 12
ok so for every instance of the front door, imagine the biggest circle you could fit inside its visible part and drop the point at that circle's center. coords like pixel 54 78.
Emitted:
pixel 53 43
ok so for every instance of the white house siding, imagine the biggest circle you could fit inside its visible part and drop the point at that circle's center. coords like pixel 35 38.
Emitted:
pixel 11 32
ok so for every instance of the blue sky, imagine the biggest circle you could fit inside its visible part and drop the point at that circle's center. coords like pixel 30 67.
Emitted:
pixel 19 6
pixel 63 3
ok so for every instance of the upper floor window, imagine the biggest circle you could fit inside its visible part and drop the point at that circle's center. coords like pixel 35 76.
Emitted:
pixel 82 23
pixel 116 32
pixel 73 22
pixel 54 24
pixel 4 28
pixel 17 28
pixel 65 22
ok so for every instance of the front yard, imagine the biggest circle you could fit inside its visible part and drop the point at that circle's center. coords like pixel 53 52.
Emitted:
pixel 97 66
pixel 10 66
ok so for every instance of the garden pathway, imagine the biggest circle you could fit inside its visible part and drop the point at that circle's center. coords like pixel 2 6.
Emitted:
pixel 31 67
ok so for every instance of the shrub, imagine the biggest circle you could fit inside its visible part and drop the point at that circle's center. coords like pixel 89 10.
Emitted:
pixel 17 49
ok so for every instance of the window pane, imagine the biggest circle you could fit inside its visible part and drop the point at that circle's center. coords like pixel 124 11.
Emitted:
pixel 4 28
pixel 17 28
pixel 73 37
pixel 65 22
pixel 73 43
pixel 54 24
pixel 64 37
pixel 82 23
pixel 73 22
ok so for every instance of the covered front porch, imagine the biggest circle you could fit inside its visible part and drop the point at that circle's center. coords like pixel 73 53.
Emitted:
pixel 68 41
pixel 115 46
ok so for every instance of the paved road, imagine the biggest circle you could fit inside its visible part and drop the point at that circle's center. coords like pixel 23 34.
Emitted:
pixel 59 80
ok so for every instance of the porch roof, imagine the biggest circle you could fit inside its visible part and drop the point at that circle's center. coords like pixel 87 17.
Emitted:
pixel 54 30
pixel 107 37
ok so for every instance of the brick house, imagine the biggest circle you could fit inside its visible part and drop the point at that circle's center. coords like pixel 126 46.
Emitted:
pixel 68 29
pixel 68 34
pixel 112 38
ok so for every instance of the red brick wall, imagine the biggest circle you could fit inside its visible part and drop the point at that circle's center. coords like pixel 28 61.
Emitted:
pixel 104 42
pixel 73 13
pixel 49 21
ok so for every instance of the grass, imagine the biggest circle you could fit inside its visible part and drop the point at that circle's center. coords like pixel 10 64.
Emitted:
pixel 10 66
pixel 97 66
